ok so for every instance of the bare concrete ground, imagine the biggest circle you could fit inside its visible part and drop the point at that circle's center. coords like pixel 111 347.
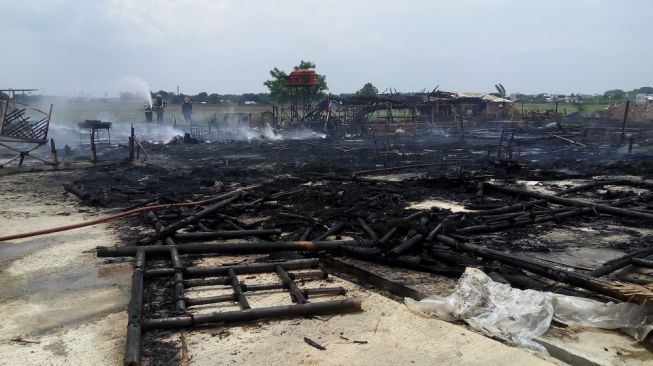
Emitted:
pixel 63 306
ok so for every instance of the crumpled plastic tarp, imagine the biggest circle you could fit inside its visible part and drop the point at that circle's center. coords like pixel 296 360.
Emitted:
pixel 518 316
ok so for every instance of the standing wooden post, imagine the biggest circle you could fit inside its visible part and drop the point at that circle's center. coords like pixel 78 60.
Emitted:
pixel 93 151
pixel 53 149
pixel 623 127
pixel 131 145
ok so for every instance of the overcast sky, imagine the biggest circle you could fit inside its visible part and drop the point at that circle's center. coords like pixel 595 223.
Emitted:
pixel 67 47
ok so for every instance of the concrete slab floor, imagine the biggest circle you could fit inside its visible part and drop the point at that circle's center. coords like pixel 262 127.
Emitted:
pixel 63 306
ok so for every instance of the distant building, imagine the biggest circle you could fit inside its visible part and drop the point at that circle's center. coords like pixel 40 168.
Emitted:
pixel 644 99
pixel 516 96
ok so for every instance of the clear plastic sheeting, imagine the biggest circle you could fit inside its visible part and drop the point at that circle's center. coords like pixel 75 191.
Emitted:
pixel 518 316
pixel 632 319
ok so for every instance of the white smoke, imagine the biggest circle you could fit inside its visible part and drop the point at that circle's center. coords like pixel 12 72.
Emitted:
pixel 137 86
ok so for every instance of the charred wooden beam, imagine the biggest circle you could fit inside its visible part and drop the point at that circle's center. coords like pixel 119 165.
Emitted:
pixel 239 269
pixel 337 266
pixel 135 314
pixel 227 199
pixel 525 221
pixel 407 244
pixel 332 231
pixel 295 294
pixel 615 264
pixel 645 263
pixel 507 209
pixel 225 234
pixel 592 185
pixel 238 291
pixel 316 308
pixel 541 268
pixel 571 202
pixel 229 248
pixel 368 230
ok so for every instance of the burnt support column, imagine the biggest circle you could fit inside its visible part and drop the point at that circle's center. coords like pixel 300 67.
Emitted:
pixel 623 126
pixel 133 345
pixel 53 149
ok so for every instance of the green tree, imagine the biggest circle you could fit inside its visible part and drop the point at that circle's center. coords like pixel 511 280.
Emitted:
pixel 368 90
pixel 213 98
pixel 643 90
pixel 277 84
pixel 614 95
pixel 540 98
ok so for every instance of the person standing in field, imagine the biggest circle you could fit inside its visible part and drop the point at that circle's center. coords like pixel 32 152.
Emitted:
pixel 187 110
pixel 158 107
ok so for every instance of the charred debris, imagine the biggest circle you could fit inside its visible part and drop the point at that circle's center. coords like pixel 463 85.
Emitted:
pixel 433 195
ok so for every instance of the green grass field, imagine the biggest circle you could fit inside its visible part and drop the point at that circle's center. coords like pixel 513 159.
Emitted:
pixel 562 107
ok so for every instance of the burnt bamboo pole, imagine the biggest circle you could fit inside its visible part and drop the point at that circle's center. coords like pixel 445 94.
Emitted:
pixel 487 228
pixel 645 263
pixel 571 202
pixel 229 248
pixel 592 185
pixel 316 308
pixel 135 314
pixel 617 263
pixel 311 275
pixel 228 198
pixel 179 279
pixel 306 234
pixel 264 287
pixel 225 234
pixel 507 209
pixel 53 150
pixel 239 269
pixel 513 215
pixel 623 127
pixel 295 294
pixel 407 244
pixel 388 235
pixel 238 291
pixel 332 231
pixel 539 267
pixel 368 229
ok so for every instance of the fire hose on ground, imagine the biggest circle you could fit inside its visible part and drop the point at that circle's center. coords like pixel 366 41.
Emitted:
pixel 103 219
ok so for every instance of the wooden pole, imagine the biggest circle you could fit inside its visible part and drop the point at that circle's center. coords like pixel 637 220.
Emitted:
pixel 541 268
pixel 623 126
pixel 229 248
pixel 53 149
pixel 571 202
pixel 93 151
pixel 135 314
pixel 131 144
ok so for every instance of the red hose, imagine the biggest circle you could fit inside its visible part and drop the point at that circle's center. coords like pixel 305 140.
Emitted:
pixel 118 216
